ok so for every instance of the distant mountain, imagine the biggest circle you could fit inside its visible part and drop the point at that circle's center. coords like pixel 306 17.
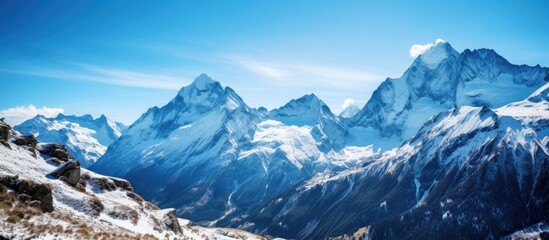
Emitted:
pixel 469 173
pixel 85 137
pixel 349 111
pixel 311 111
pixel 438 80
pixel 212 157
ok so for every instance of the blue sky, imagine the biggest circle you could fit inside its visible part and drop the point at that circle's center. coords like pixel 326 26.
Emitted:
pixel 122 57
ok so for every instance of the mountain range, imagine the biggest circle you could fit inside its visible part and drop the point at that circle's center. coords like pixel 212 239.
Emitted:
pixel 229 156
pixel 438 80
pixel 430 155
pixel 469 173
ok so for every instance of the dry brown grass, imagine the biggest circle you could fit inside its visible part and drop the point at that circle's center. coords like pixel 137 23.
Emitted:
pixel 124 213
pixel 13 219
pixel 157 224
pixel 96 205
pixel 152 206
pixel 83 230
pixel 15 209
pixel 135 197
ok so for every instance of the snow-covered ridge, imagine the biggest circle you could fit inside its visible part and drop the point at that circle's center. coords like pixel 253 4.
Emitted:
pixel 86 138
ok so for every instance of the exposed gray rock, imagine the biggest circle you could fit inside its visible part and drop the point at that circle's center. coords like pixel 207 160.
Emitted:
pixel 55 150
pixel 28 141
pixel 4 131
pixel 68 172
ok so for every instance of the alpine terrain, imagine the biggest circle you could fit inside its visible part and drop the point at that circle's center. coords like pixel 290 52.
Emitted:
pixel 431 155
pixel 469 173
pixel 212 157
pixel 46 194
pixel 438 80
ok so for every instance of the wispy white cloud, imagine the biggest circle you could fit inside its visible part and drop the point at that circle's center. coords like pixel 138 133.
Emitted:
pixel 307 75
pixel 260 68
pixel 418 49
pixel 108 75
pixel 19 114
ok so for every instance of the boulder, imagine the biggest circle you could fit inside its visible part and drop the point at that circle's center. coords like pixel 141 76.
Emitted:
pixel 544 235
pixel 68 172
pixel 28 141
pixel 55 150
pixel 4 131
pixel 20 141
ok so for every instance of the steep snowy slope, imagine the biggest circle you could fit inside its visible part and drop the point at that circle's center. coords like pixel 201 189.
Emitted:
pixel 36 205
pixel 438 80
pixel 210 156
pixel 472 171
pixel 86 138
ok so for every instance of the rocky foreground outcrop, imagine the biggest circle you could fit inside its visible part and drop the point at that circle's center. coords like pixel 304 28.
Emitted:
pixel 27 190
pixel 69 172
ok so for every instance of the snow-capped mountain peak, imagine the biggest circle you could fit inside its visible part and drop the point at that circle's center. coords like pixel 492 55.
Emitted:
pixel 306 110
pixel 204 82
pixel 439 52
pixel 203 93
